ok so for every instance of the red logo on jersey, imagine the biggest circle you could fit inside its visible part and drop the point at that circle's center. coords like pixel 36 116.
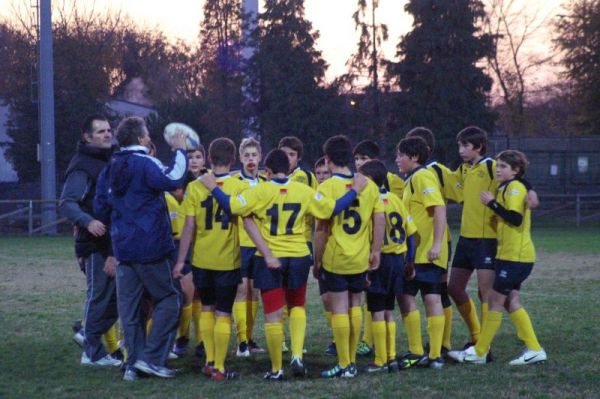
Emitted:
pixel 283 191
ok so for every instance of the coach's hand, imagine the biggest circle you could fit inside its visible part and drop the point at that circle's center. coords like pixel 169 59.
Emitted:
pixel 486 197
pixel 209 180
pixel 96 228
pixel 359 182
pixel 110 266
pixel 178 270
pixel 272 262
pixel 409 271
pixel 374 260
pixel 178 141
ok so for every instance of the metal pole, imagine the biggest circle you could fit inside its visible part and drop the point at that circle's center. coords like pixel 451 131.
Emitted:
pixel 30 219
pixel 46 97
pixel 578 211
pixel 250 120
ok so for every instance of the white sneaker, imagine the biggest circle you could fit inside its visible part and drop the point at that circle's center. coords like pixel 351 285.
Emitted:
pixel 529 357
pixel 107 360
pixel 243 350
pixel 172 356
pixel 79 338
pixel 468 356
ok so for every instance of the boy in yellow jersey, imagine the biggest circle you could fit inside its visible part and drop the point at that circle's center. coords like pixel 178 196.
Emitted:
pixel 283 258
pixel 246 300
pixel 216 257
pixel 343 254
pixel 513 264
pixel 196 160
pixel 363 152
pixel 451 190
pixel 322 173
pixel 386 283
pixel 425 203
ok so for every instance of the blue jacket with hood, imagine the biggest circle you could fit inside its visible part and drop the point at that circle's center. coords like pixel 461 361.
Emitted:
pixel 130 198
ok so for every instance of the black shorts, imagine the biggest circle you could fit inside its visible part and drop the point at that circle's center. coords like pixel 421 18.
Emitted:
pixel 510 275
pixel 475 253
pixel 293 273
pixel 187 267
pixel 388 279
pixel 379 303
pixel 321 282
pixel 248 266
pixel 427 280
pixel 217 287
pixel 344 282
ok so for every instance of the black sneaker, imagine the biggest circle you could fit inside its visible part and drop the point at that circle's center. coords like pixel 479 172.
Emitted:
pixel 200 352
pixel 243 350
pixel 298 367
pixel 436 364
pixel 409 360
pixel 331 350
pixel 180 347
pixel 274 375
pixel 118 355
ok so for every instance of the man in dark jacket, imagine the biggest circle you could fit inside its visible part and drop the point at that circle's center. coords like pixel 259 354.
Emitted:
pixel 92 242
pixel 130 194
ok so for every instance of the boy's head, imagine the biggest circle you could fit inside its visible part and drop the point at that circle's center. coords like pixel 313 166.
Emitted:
pixel 375 170
pixel 338 151
pixel 221 152
pixel 133 131
pixel 293 148
pixel 510 164
pixel 411 153
pixel 277 162
pixel 196 159
pixel 365 151
pixel 250 154
pixel 472 143
pixel 322 172
pixel 426 135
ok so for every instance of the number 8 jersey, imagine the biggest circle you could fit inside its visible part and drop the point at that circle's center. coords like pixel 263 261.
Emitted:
pixel 216 243
pixel 398 225
pixel 348 247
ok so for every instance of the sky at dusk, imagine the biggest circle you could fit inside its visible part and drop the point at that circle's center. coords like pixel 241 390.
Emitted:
pixel 332 18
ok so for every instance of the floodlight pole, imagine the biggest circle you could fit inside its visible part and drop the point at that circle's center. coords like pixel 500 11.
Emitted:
pixel 250 121
pixel 46 118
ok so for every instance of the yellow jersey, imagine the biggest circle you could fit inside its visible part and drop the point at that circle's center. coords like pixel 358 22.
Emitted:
pixel 301 175
pixel 280 206
pixel 422 192
pixel 514 243
pixel 216 244
pixel 248 182
pixel 348 246
pixel 395 183
pixel 450 186
pixel 398 224
pixel 175 214
pixel 477 219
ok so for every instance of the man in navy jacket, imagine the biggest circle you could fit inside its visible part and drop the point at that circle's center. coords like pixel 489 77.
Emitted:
pixel 130 198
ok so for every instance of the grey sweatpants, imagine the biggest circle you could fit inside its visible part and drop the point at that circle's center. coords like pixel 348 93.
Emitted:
pixel 154 279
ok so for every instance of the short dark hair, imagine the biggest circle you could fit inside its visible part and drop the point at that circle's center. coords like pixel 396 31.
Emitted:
pixel 368 148
pixel 414 147
pixel 376 170
pixel 292 142
pixel 87 125
pixel 200 148
pixel 130 130
pixel 320 162
pixel 516 160
pixel 473 135
pixel 339 150
pixel 277 161
pixel 221 152
pixel 425 134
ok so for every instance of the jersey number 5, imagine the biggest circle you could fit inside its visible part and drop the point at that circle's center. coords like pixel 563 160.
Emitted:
pixel 354 226
pixel 273 212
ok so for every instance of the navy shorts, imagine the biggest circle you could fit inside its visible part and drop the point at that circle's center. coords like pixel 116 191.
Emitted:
pixel 510 275
pixel 388 279
pixel 217 287
pixel 475 253
pixel 248 265
pixel 427 280
pixel 344 282
pixel 293 273
pixel 187 267
pixel 321 282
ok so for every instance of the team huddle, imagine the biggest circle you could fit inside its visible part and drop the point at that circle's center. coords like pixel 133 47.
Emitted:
pixel 197 247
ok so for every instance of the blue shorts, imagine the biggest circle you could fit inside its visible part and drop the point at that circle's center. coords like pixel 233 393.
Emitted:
pixel 427 280
pixel 321 282
pixel 387 282
pixel 510 275
pixel 293 273
pixel 475 253
pixel 187 267
pixel 247 254
pixel 344 282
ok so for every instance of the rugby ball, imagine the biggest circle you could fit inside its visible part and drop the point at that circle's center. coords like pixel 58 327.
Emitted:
pixel 192 139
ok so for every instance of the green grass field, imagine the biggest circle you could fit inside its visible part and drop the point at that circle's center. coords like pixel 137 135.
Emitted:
pixel 42 292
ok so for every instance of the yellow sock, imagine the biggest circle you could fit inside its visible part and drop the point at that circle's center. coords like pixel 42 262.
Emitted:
pixel 435 330
pixel 391 340
pixel 340 324
pixel 447 340
pixel 274 338
pixel 196 312
pixel 222 335
pixel 484 312
pixel 110 340
pixel 355 325
pixel 207 324
pixel 368 329
pixel 412 324
pixel 184 322
pixel 525 331
pixel 490 327
pixel 469 314
pixel 252 309
pixel 148 326
pixel 297 329
pixel 240 314
pixel 380 340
